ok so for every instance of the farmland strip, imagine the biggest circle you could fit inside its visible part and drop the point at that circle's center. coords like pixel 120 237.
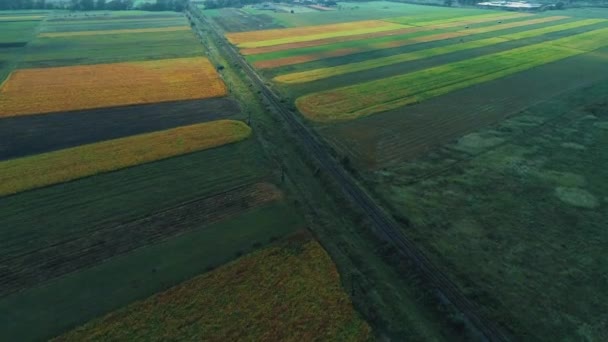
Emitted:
pixel 125 31
pixel 40 265
pixel 317 74
pixel 398 42
pixel 323 35
pixel 401 31
pixel 46 90
pixel 380 95
pixel 27 173
pixel 256 36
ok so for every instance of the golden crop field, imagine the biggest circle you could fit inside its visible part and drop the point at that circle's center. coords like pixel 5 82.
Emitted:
pixel 288 292
pixel 367 98
pixel 46 90
pixel 125 31
pixel 278 36
pixel 49 168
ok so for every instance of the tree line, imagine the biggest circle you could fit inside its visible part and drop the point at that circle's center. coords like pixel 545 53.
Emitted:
pixel 92 5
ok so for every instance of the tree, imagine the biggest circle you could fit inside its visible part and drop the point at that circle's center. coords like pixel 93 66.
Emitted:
pixel 87 5
pixel 100 5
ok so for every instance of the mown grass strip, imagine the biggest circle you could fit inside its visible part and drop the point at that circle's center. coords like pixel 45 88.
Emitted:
pixel 322 73
pixel 294 56
pixel 125 31
pixel 367 98
pixel 45 169
pixel 21 18
pixel 46 90
pixel 289 292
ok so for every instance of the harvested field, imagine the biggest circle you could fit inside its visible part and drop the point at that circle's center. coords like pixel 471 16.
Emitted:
pixel 106 241
pixel 126 31
pixel 35 91
pixel 317 74
pixel 289 292
pixel 64 165
pixel 407 133
pixel 376 96
pixel 32 134
pixel 401 31
pixel 280 36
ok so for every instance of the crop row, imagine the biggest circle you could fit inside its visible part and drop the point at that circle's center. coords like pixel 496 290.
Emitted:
pixel 343 49
pixel 426 27
pixel 317 74
pixel 45 169
pixel 35 91
pixel 380 95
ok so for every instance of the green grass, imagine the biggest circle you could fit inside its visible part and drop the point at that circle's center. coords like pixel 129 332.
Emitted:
pixel 317 74
pixel 384 94
pixel 352 11
pixel 118 24
pixel 36 219
pixel 14 32
pixel 516 213
pixel 47 52
pixel 66 302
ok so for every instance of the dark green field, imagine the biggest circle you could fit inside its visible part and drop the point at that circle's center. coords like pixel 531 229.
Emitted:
pixel 517 213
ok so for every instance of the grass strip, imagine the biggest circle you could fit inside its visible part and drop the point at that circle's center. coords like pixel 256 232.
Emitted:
pixel 99 32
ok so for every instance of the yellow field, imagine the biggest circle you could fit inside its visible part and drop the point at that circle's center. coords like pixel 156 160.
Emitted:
pixel 126 31
pixel 289 292
pixel 34 91
pixel 36 171
pixel 299 34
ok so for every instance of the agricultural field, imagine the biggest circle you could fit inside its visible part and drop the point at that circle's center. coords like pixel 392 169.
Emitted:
pixel 127 168
pixel 289 291
pixel 480 131
pixel 108 85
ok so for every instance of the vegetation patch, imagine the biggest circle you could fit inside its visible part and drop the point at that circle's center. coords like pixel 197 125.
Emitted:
pixel 289 35
pixel 289 292
pixel 577 197
pixel 34 91
pixel 322 73
pixel 100 32
pixel 364 36
pixel 64 165
pixel 368 98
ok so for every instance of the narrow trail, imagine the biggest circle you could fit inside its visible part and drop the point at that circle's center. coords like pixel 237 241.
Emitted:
pixel 385 226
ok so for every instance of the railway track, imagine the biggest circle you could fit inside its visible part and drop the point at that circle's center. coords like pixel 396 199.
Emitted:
pixel 384 224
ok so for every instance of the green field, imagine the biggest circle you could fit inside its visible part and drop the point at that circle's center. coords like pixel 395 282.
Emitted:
pixel 485 140
pixel 72 300
pixel 525 202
